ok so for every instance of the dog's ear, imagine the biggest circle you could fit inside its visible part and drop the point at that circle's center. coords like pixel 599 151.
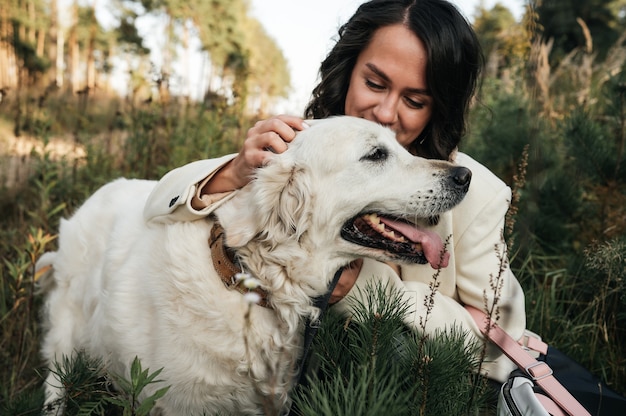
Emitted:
pixel 278 204
pixel 291 216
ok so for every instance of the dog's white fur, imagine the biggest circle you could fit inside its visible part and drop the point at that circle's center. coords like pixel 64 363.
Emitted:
pixel 123 288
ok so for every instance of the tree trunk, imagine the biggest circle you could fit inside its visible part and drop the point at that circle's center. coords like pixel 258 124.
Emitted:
pixel 166 72
pixel 74 50
pixel 90 76
pixel 186 61
pixel 60 57
pixel 32 30
pixel 52 42
pixel 8 62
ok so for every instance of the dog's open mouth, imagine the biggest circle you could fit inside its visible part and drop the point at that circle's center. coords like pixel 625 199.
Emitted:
pixel 400 239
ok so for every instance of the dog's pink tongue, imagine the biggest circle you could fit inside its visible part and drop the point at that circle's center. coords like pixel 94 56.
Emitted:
pixel 430 241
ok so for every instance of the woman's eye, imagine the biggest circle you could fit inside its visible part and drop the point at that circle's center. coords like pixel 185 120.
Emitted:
pixel 414 104
pixel 373 85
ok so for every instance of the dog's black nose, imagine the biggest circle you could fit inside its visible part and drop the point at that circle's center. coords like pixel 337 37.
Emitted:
pixel 462 177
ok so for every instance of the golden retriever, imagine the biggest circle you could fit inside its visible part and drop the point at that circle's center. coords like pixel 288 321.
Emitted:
pixel 121 288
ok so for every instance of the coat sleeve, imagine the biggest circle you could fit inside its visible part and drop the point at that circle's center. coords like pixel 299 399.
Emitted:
pixel 171 198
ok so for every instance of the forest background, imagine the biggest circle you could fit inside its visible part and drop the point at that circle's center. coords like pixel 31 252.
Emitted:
pixel 550 120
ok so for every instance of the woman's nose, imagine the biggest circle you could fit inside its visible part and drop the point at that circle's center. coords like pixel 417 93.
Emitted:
pixel 386 112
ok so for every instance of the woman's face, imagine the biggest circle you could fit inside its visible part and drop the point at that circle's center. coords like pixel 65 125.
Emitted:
pixel 388 83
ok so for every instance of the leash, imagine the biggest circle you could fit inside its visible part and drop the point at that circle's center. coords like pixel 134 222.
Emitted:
pixel 309 334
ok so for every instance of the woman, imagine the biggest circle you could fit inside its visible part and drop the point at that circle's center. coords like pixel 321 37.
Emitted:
pixel 413 66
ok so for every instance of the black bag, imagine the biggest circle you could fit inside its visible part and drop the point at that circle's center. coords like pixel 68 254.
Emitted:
pixel 589 390
pixel 553 384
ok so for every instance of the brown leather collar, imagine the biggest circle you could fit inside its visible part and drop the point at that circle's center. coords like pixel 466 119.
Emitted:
pixel 223 261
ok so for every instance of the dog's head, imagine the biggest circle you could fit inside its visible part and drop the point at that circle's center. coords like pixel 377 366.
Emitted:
pixel 347 185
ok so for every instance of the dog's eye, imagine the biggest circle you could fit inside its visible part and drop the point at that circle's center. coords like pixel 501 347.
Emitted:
pixel 376 155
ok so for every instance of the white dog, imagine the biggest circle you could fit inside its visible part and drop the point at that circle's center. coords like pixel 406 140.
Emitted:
pixel 123 288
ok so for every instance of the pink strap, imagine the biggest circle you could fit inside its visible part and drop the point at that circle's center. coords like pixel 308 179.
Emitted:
pixel 534 344
pixel 539 371
pixel 548 404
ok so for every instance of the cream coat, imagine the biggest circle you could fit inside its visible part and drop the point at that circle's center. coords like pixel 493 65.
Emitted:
pixel 474 229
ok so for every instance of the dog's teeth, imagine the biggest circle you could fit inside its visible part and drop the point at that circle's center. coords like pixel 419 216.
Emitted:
pixel 372 218
pixel 374 221
pixel 398 237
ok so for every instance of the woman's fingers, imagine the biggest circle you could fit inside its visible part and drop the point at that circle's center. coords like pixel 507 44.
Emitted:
pixel 265 138
pixel 273 134
pixel 262 140
pixel 270 136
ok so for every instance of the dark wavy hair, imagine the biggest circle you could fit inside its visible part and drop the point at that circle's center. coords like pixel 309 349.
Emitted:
pixel 455 62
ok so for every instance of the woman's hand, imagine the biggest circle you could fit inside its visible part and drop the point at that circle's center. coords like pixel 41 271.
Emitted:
pixel 266 137
pixel 346 281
